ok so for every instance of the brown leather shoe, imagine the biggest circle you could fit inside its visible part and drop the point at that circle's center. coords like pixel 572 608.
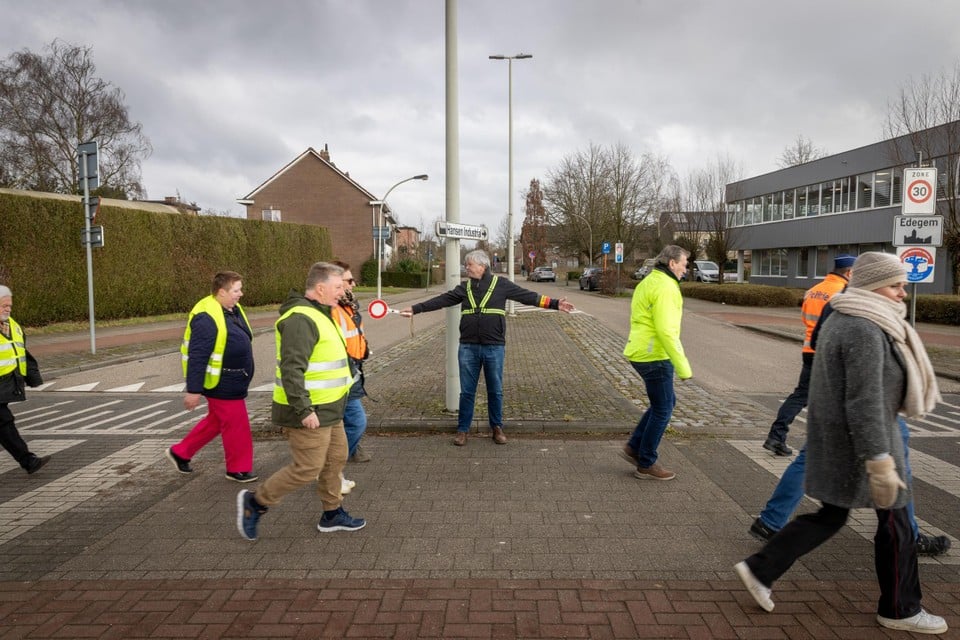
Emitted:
pixel 654 472
pixel 498 436
pixel 460 439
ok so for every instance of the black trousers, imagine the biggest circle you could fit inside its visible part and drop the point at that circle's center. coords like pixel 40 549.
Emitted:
pixel 794 403
pixel 894 553
pixel 11 440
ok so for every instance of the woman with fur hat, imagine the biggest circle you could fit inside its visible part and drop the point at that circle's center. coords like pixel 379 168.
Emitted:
pixel 869 366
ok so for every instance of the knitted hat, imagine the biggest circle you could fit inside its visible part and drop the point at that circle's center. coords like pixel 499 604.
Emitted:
pixel 843 261
pixel 873 270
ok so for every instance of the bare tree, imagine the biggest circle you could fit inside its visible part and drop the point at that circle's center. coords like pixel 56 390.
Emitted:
pixel 608 191
pixel 49 104
pixel 927 111
pixel 799 151
pixel 704 217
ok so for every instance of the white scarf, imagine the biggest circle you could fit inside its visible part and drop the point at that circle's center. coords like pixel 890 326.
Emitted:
pixel 922 391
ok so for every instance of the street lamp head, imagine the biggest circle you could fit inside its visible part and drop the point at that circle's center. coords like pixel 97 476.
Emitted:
pixel 519 56
pixel 422 176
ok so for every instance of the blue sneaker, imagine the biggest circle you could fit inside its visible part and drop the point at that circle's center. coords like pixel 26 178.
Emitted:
pixel 248 514
pixel 340 521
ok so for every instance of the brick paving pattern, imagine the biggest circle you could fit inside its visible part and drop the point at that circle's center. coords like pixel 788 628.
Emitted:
pixel 547 537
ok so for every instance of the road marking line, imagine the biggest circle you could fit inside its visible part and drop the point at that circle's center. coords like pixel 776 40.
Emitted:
pixel 173 388
pixel 81 387
pixel 125 414
pixel 40 448
pixel 34 508
pixel 130 388
pixel 57 423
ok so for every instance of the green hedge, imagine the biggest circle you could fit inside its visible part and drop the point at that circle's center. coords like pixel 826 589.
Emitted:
pixel 404 279
pixel 151 263
pixel 938 309
pixel 747 295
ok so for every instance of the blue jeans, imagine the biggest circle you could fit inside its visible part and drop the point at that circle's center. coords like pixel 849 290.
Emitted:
pixel 473 358
pixel 789 491
pixel 658 378
pixel 354 423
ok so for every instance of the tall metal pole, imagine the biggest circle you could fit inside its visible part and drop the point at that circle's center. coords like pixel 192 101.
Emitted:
pixel 89 245
pixel 452 245
pixel 510 259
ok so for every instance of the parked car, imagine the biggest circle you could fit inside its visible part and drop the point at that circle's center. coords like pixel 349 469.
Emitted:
pixel 708 271
pixel 542 274
pixel 590 279
pixel 644 269
pixel 705 271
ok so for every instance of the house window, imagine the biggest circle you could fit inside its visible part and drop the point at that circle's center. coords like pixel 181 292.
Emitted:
pixel 270 215
pixel 882 184
pixel 788 204
pixel 864 193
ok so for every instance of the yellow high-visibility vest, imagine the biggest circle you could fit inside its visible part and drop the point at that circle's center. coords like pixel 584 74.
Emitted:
pixel 13 352
pixel 214 309
pixel 327 378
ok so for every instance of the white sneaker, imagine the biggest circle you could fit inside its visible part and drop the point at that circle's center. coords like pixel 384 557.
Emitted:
pixel 759 592
pixel 346 486
pixel 922 622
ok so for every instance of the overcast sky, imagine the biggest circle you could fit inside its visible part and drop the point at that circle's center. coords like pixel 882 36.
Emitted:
pixel 229 91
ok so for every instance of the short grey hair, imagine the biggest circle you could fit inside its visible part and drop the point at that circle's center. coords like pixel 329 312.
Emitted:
pixel 478 256
pixel 321 272
pixel 5 292
pixel 671 252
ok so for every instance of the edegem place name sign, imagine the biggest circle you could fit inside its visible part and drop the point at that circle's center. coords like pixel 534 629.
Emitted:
pixel 462 231
pixel 926 231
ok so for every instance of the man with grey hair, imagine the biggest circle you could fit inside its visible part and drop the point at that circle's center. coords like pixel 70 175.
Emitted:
pixel 483 326
pixel 17 368
pixel 310 393
pixel 654 350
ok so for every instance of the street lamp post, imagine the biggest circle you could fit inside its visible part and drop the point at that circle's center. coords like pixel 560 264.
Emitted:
pixel 379 204
pixel 510 259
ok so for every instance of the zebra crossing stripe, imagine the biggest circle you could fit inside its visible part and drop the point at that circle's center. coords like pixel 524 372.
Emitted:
pixel 36 507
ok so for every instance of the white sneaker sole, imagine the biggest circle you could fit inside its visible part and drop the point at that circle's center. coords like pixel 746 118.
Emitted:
pixel 754 587
pixel 339 527
pixel 240 515
pixel 905 625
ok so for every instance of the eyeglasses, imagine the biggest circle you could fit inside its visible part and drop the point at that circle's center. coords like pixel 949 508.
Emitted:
pixel 350 281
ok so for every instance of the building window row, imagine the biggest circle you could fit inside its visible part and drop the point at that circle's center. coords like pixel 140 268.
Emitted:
pixel 874 190
pixel 795 262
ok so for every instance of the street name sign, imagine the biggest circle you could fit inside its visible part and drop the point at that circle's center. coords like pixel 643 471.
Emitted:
pixel 926 231
pixel 462 231
pixel 919 191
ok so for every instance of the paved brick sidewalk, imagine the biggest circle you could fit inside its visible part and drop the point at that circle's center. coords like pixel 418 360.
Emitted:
pixel 547 537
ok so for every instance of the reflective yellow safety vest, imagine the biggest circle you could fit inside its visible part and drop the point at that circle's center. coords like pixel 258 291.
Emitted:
pixel 13 352
pixel 214 309
pixel 482 308
pixel 327 377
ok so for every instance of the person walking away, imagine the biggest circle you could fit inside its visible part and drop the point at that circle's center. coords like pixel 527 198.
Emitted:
pixel 789 490
pixel 870 366
pixel 655 352
pixel 217 359
pixel 347 315
pixel 18 370
pixel 813 302
pixel 483 326
pixel 310 392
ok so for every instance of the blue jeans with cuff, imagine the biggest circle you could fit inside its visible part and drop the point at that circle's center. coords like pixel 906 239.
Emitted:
pixel 472 358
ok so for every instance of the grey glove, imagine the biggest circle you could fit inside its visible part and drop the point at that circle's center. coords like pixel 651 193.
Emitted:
pixel 884 481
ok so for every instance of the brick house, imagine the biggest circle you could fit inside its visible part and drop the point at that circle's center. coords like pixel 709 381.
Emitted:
pixel 312 190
